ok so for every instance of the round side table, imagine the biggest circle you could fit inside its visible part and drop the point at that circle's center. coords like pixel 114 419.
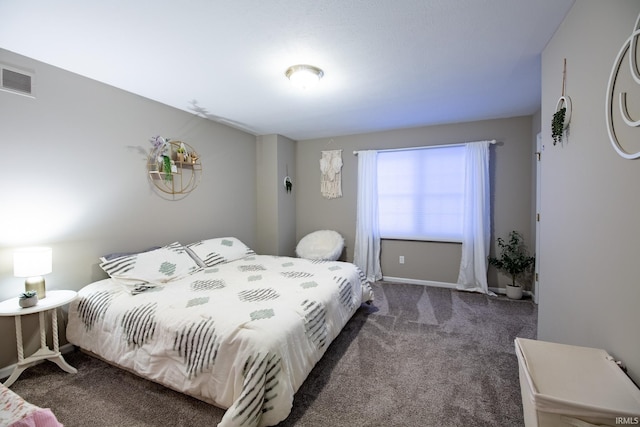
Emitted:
pixel 53 300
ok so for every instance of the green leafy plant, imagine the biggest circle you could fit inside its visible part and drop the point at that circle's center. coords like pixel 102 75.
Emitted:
pixel 514 258
pixel 557 125
pixel 166 167
pixel 27 294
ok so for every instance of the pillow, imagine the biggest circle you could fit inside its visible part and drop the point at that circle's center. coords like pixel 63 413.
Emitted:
pixel 156 266
pixel 217 251
pixel 114 255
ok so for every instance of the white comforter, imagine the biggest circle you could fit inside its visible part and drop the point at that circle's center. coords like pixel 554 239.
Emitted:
pixel 242 335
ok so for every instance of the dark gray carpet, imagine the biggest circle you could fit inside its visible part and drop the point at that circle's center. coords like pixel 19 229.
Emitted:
pixel 419 356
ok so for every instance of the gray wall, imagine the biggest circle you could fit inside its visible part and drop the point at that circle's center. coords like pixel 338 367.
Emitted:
pixel 74 178
pixel 276 216
pixel 511 177
pixel 286 164
pixel 589 288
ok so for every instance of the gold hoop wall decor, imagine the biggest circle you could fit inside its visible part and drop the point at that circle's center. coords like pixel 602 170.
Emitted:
pixel 173 167
pixel 630 45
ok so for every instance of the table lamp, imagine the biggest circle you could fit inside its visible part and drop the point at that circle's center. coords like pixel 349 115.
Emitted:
pixel 33 263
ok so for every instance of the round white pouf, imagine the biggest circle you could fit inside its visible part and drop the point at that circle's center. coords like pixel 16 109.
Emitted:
pixel 322 244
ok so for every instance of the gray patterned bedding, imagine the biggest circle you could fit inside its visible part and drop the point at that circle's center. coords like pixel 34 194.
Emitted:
pixel 242 334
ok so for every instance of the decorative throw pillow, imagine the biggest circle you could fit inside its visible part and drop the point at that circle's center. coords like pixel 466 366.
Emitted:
pixel 157 266
pixel 114 255
pixel 220 250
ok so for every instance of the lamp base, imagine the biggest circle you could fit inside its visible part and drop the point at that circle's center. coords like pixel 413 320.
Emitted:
pixel 36 284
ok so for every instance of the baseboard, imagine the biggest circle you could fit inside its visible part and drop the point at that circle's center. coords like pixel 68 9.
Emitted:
pixel 420 282
pixel 6 371
pixel 499 291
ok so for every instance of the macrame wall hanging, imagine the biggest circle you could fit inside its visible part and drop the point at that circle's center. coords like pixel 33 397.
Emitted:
pixel 331 169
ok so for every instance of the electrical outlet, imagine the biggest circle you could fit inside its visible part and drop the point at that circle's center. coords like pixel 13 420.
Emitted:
pixel 401 260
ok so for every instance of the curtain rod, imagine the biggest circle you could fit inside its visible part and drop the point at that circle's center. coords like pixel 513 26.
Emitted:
pixel 493 141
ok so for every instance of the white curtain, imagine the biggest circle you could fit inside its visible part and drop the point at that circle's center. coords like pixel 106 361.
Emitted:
pixel 476 229
pixel 367 244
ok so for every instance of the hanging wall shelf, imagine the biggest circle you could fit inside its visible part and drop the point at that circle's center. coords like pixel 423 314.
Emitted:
pixel 177 170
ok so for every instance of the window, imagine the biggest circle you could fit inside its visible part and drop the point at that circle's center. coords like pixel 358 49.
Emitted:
pixel 421 193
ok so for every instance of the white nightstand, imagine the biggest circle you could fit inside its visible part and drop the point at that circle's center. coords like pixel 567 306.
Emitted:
pixel 53 300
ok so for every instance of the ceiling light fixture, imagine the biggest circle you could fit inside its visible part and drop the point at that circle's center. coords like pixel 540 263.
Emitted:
pixel 304 76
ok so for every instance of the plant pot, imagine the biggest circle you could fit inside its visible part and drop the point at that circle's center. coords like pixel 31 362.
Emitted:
pixel 514 292
pixel 28 302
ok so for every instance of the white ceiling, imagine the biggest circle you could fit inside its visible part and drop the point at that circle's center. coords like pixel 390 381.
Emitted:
pixel 388 63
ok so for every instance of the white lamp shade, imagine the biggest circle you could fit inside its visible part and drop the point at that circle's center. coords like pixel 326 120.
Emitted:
pixel 30 262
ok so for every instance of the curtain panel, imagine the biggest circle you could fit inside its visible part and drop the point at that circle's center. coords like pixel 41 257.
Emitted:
pixel 476 228
pixel 367 244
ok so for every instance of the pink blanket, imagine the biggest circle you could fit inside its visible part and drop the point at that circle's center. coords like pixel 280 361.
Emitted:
pixel 17 412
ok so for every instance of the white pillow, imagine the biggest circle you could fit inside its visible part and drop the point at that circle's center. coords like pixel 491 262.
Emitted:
pixel 156 266
pixel 114 255
pixel 219 250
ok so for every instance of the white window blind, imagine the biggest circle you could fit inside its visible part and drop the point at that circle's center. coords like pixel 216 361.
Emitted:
pixel 421 193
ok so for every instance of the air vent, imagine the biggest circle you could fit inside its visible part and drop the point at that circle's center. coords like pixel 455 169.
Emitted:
pixel 17 81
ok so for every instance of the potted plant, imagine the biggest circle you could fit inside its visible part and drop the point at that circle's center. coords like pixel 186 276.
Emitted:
pixel 562 116
pixel 28 299
pixel 514 259
pixel 557 125
pixel 181 152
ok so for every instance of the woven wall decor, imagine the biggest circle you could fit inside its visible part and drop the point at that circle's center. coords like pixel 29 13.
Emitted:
pixel 331 169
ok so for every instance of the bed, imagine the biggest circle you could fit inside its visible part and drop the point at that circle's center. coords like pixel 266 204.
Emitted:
pixel 216 321
pixel 17 412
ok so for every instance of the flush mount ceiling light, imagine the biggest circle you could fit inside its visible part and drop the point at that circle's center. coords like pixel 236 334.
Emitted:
pixel 304 76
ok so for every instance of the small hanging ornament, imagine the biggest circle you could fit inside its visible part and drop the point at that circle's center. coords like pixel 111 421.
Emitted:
pixel 288 184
